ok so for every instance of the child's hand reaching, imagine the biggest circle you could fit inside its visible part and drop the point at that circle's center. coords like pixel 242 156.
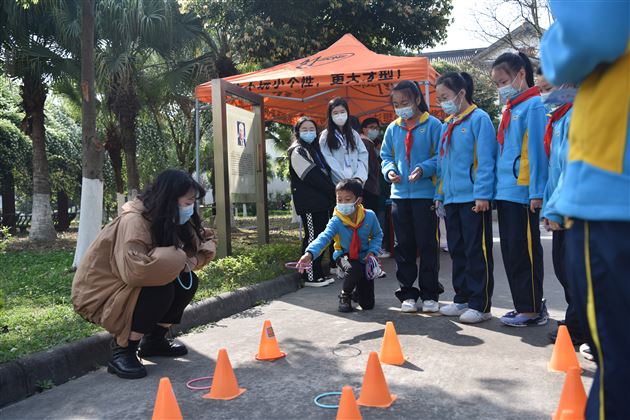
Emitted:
pixel 305 260
pixel 369 254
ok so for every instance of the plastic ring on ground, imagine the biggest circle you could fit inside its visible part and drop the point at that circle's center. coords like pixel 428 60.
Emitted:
pixel 325 394
pixel 198 388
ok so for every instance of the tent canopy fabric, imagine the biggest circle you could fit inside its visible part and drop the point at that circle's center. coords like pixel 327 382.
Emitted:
pixel 347 69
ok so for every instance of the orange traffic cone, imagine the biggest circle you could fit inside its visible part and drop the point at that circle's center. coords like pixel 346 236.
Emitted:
pixel 573 397
pixel 224 385
pixel 348 408
pixel 268 348
pixel 563 356
pixel 570 415
pixel 391 352
pixel 374 391
pixel 166 407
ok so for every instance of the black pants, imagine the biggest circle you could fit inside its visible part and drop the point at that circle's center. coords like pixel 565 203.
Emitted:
pixel 469 236
pixel 571 318
pixel 163 304
pixel 370 201
pixel 598 267
pixel 313 224
pixel 522 254
pixel 415 225
pixel 354 278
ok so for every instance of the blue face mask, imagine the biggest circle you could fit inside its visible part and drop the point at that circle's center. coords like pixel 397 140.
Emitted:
pixel 185 213
pixel 507 92
pixel 449 107
pixel 404 113
pixel 346 208
pixel 308 136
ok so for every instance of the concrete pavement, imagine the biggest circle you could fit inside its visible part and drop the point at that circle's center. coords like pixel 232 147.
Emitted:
pixel 454 371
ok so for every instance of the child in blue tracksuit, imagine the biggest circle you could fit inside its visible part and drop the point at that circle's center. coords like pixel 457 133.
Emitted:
pixel 357 235
pixel 556 137
pixel 589 44
pixel 409 154
pixel 521 176
pixel 466 186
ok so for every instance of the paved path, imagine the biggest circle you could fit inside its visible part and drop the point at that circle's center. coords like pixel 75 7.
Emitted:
pixel 454 371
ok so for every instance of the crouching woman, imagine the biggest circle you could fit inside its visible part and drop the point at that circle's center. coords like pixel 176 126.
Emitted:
pixel 138 276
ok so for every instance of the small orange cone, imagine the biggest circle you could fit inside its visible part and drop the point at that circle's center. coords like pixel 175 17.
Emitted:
pixel 374 391
pixel 268 348
pixel 391 352
pixel 224 385
pixel 573 397
pixel 563 356
pixel 348 408
pixel 166 407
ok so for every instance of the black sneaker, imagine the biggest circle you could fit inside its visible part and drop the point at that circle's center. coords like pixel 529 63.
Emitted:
pixel 321 282
pixel 344 303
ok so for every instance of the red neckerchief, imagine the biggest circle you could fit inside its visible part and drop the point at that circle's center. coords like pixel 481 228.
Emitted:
pixel 507 114
pixel 451 126
pixel 555 116
pixel 409 137
pixel 355 245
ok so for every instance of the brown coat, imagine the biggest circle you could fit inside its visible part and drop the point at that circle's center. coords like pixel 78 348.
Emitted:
pixel 119 263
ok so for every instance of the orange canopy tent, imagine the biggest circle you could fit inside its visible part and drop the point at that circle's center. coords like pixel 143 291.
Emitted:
pixel 347 69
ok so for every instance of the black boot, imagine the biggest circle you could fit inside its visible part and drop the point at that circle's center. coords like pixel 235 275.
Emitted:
pixel 125 363
pixel 344 303
pixel 156 344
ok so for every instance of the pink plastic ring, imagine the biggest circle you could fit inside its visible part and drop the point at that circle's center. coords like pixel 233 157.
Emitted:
pixel 198 388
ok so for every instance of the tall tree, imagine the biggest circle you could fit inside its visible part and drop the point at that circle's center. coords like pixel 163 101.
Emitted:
pixel 92 149
pixel 270 32
pixel 133 34
pixel 31 53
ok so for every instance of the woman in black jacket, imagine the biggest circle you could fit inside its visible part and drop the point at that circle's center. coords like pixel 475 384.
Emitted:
pixel 312 189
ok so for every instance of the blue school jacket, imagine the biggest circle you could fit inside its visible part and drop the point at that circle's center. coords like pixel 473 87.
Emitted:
pixel 466 168
pixel 557 165
pixel 338 229
pixel 426 136
pixel 521 165
pixel 589 44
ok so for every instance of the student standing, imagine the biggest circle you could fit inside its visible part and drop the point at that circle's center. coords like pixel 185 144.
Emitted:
pixel 589 44
pixel 342 146
pixel 370 131
pixel 409 154
pixel 521 176
pixel 313 191
pixel 466 162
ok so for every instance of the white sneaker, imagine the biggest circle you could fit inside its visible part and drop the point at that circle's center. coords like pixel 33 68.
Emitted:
pixel 430 306
pixel 384 254
pixel 409 306
pixel 454 309
pixel 473 316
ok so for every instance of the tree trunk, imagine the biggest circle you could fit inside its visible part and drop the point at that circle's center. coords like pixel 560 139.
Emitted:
pixel 113 145
pixel 33 99
pixel 8 201
pixel 91 217
pixel 128 132
pixel 63 220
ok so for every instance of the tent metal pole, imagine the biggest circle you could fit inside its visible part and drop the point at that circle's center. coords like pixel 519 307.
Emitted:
pixel 197 136
pixel 426 93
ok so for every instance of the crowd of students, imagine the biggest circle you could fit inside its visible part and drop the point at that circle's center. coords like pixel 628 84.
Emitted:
pixel 546 163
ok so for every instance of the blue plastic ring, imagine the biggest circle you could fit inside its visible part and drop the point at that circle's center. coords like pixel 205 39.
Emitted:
pixel 325 394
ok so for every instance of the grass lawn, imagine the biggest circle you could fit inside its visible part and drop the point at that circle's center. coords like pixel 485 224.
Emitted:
pixel 36 280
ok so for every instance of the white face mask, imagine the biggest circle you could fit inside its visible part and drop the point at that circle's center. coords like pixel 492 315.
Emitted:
pixel 340 119
pixel 404 113
pixel 346 208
